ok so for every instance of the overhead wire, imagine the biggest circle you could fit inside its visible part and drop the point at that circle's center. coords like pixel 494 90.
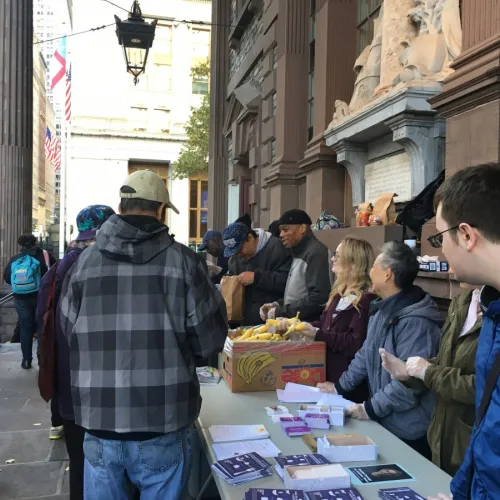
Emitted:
pixel 183 21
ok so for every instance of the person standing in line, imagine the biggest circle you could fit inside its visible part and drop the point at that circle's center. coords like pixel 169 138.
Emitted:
pixel 467 207
pixel 344 322
pixel 214 246
pixel 24 272
pixel 406 322
pixel 138 310
pixel 261 263
pixel 451 376
pixel 88 222
pixel 308 284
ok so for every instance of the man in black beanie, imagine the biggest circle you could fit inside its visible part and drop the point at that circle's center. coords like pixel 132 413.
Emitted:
pixel 308 284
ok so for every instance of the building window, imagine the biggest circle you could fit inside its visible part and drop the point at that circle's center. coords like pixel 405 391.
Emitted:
pixel 273 150
pixel 274 104
pixel 368 11
pixel 161 78
pixel 200 85
pixel 312 57
pixel 275 57
pixel 198 209
pixel 160 122
pixel 139 118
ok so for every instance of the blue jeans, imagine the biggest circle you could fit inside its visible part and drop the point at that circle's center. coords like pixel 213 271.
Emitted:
pixel 26 309
pixel 158 467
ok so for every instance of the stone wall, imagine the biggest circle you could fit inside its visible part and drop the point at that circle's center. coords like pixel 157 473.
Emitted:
pixel 249 38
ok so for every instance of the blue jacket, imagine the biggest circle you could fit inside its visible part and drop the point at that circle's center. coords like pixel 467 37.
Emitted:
pixel 406 324
pixel 62 389
pixel 484 446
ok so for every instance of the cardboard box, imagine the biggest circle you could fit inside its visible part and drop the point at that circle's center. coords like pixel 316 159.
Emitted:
pixel 267 366
pixel 338 478
pixel 347 448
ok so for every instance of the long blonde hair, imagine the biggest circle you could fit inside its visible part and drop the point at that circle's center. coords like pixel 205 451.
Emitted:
pixel 355 262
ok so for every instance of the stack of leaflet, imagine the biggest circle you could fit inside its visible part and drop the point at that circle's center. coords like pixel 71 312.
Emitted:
pixel 340 494
pixel 294 426
pixel 208 375
pixel 268 494
pixel 239 470
pixel 297 393
pixel 399 494
pixel 298 460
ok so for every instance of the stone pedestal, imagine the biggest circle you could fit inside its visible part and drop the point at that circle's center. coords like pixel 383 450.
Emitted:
pixel 401 122
pixel 16 124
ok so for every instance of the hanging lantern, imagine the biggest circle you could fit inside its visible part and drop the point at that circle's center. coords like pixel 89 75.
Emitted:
pixel 136 37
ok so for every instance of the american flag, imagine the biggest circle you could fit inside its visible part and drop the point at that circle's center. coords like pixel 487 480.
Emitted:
pixel 48 144
pixel 56 154
pixel 67 104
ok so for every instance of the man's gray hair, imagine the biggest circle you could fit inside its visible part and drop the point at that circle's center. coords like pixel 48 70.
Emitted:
pixel 402 261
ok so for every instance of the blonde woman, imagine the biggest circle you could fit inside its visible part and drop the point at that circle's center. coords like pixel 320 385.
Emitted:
pixel 344 322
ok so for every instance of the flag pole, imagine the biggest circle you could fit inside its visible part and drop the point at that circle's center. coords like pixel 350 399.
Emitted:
pixel 66 147
pixel 62 192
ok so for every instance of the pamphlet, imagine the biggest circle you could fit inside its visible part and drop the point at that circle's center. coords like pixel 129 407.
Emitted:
pixel 339 494
pixel 297 393
pixel 334 400
pixel 264 447
pixel 268 494
pixel 208 375
pixel 373 474
pixel 242 469
pixel 399 494
pixel 225 433
pixel 298 460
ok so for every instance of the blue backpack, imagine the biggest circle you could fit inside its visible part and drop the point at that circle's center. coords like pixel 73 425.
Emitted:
pixel 25 275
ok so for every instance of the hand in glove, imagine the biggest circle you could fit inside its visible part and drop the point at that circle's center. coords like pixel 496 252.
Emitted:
pixel 441 496
pixel 393 365
pixel 307 330
pixel 268 311
pixel 327 387
pixel 358 412
pixel 416 367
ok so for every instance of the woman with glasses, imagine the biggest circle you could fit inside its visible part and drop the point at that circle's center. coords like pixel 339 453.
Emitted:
pixel 344 322
pixel 451 375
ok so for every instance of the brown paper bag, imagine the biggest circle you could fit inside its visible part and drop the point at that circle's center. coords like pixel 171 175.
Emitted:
pixel 234 295
pixel 385 208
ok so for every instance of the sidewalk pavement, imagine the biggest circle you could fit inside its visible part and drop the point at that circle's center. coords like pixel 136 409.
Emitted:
pixel 39 471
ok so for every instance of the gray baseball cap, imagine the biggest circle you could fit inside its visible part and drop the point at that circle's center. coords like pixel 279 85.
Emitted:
pixel 148 186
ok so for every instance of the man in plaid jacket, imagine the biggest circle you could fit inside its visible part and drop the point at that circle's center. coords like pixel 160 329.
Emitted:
pixel 139 310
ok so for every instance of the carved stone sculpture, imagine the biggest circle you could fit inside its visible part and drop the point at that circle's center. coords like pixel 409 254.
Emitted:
pixel 432 40
pixel 438 43
pixel 367 67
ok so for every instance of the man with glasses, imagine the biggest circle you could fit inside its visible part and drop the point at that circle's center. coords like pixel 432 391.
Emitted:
pixel 468 207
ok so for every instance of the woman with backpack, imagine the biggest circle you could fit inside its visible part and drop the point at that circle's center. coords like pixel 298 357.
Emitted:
pixel 54 378
pixel 24 273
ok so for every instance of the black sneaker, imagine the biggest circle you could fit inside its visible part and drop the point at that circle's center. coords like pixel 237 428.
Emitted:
pixel 26 364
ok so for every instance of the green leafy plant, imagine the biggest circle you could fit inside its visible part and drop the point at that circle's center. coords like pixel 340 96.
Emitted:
pixel 193 158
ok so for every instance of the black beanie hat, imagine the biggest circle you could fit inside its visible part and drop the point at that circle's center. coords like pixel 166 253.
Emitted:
pixel 295 216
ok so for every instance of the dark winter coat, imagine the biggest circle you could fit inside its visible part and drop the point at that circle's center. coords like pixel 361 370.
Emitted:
pixel 62 388
pixel 271 267
pixel 344 333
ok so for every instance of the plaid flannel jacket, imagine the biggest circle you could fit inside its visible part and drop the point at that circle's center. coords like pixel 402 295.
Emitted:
pixel 137 308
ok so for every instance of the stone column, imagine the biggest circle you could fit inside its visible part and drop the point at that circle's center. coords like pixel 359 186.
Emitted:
pixel 396 28
pixel 218 161
pixel 16 123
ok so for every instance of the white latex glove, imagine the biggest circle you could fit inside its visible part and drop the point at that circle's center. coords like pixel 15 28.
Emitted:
pixel 327 387
pixel 396 367
pixel 358 412
pixel 441 496
pixel 268 311
pixel 417 366
pixel 309 330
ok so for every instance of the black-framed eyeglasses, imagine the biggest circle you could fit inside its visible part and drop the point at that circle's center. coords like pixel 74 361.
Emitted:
pixel 436 240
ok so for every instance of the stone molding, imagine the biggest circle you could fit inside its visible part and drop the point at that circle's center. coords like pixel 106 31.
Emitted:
pixel 354 158
pixel 423 141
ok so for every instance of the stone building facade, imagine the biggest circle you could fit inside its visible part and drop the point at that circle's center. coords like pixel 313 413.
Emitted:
pixel 323 104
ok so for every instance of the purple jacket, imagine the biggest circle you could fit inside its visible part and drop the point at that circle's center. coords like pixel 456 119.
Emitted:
pixel 62 389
